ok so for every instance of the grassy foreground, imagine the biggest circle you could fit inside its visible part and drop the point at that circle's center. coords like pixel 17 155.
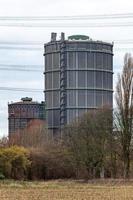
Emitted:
pixel 66 190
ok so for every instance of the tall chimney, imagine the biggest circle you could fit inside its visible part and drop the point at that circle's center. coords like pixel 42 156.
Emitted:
pixel 62 36
pixel 53 37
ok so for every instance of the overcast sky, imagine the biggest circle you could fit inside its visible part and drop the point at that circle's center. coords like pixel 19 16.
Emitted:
pixel 9 55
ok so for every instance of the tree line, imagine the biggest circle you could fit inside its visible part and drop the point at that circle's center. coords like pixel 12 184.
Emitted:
pixel 96 145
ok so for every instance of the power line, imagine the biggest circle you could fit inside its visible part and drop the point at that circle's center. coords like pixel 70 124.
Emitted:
pixel 72 17
pixel 40 49
pixel 25 68
pixel 17 69
pixel 123 49
pixel 68 25
pixel 128 41
pixel 21 66
pixel 21 48
pixel 32 43
pixel 39 43
pixel 21 89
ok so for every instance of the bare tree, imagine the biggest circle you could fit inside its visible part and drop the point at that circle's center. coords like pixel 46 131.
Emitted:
pixel 88 140
pixel 34 135
pixel 124 110
pixel 4 142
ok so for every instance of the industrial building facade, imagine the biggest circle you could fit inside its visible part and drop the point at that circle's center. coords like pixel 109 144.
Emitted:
pixel 21 113
pixel 78 78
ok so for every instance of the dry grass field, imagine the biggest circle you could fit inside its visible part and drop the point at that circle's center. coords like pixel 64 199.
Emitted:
pixel 66 190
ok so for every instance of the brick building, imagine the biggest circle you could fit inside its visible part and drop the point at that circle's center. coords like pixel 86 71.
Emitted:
pixel 21 113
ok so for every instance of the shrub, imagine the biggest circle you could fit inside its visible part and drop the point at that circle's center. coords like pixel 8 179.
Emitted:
pixel 14 162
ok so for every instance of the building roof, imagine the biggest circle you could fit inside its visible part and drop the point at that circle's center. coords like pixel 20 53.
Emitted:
pixel 26 100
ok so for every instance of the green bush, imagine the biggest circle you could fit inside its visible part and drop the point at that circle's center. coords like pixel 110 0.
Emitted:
pixel 14 162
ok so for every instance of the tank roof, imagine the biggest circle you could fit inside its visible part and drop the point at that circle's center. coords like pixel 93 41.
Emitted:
pixel 78 37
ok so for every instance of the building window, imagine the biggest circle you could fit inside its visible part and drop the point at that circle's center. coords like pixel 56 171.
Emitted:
pixel 105 100
pixel 81 60
pixel 110 81
pixel 99 78
pixel 72 60
pixel 81 98
pixel 56 80
pixel 107 61
pixel 71 98
pixel 56 60
pixel 56 117
pixel 90 60
pixel 71 79
pixel 56 99
pixel 90 79
pixel 107 80
pixel 98 98
pixel 48 80
pixel 48 96
pixel 48 61
pixel 81 79
pixel 99 60
pixel 90 99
